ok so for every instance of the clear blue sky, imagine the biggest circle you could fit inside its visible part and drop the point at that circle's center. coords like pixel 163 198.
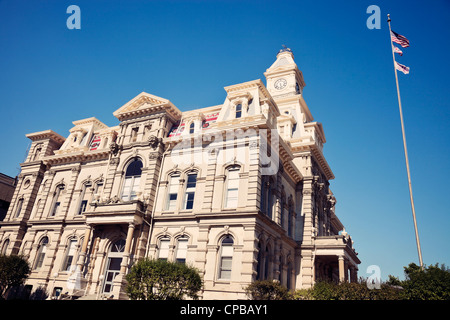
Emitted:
pixel 187 51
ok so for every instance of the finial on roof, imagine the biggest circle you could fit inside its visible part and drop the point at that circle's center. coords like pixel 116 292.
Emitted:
pixel 285 49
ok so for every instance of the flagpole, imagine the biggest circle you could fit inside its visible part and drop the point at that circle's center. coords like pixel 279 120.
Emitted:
pixel 406 151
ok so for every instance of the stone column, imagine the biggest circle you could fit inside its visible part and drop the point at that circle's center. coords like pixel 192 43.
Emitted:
pixel 87 236
pixel 341 269
pixel 126 251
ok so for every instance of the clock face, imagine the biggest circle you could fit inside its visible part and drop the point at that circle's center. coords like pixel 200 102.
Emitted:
pixel 280 84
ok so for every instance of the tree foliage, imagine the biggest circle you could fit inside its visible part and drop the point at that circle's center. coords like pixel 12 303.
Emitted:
pixel 14 270
pixel 162 280
pixel 267 290
pixel 429 283
pixel 324 290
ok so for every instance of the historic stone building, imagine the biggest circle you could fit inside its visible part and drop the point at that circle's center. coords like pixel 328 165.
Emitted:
pixel 239 190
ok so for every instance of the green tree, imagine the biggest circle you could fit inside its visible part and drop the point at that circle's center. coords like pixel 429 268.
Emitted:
pixel 429 283
pixel 14 270
pixel 162 280
pixel 267 290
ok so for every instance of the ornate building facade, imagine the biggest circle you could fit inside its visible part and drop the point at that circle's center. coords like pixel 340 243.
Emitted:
pixel 238 190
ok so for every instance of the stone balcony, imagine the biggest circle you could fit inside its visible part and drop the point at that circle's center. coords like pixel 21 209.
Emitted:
pixel 116 211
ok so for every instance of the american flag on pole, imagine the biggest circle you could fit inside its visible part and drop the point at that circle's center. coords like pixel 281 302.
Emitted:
pixel 397 50
pixel 401 68
pixel 398 38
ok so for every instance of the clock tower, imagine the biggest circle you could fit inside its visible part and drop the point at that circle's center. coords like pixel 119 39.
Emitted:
pixel 283 77
pixel 285 84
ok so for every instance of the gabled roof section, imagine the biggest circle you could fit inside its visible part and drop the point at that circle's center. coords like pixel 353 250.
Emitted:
pixel 146 103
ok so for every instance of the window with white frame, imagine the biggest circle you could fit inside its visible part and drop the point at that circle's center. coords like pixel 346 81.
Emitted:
pixel 181 252
pixel 172 194
pixel 232 191
pixel 5 246
pixel 41 253
pixel 19 207
pixel 84 198
pixel 226 258
pixel 70 255
pixel 239 110
pixel 163 252
pixel 190 191
pixel 57 200
pixel 132 180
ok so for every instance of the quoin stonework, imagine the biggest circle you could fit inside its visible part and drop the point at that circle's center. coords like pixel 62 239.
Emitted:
pixel 239 190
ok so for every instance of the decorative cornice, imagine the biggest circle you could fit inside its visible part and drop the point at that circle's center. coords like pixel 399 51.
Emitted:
pixel 46 134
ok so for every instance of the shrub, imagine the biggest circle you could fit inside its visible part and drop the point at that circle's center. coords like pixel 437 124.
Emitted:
pixel 162 280
pixel 267 290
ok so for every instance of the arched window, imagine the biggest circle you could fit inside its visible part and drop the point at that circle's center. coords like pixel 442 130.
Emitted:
pixel 57 200
pixel 19 207
pixel 266 263
pixel 163 252
pixel 132 180
pixel 37 152
pixel 289 276
pixel 282 213
pixel 113 264
pixel 290 218
pixel 190 191
pixel 192 127
pixel 239 110
pixel 5 246
pixel 270 202
pixel 36 208
pixel 69 260
pixel 181 252
pixel 232 189
pixel 172 191
pixel 41 253
pixel 84 197
pixel 259 266
pixel 226 258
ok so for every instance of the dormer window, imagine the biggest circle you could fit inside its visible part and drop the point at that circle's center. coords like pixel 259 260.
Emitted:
pixel 238 110
pixel 192 128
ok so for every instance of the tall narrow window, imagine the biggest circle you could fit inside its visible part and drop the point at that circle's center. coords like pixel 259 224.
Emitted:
pixel 190 191
pixel 290 216
pixel 19 207
pixel 56 201
pixel 181 249
pixel 70 255
pixel 269 202
pixel 41 253
pixel 231 198
pixel 173 192
pixel 37 153
pixel 226 258
pixel 132 180
pixel 239 110
pixel 36 208
pixel 134 133
pixel 163 253
pixel 192 128
pixel 5 246
pixel 84 198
